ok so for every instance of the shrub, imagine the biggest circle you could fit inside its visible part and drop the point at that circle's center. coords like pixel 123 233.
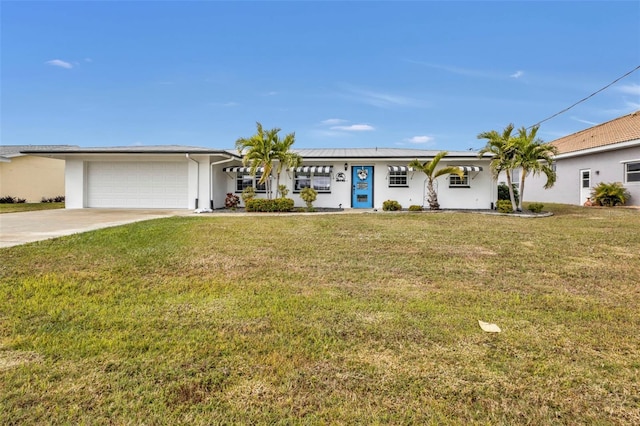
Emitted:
pixel 12 200
pixel 391 205
pixel 232 201
pixel 415 208
pixel 536 207
pixel 283 190
pixel 309 195
pixel 610 194
pixel 266 205
pixel 56 199
pixel 247 194
pixel 503 192
pixel 504 206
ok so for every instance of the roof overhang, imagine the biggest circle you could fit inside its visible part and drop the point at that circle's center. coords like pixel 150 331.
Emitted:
pixel 604 148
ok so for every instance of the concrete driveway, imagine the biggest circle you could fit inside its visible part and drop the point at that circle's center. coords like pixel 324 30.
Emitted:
pixel 26 227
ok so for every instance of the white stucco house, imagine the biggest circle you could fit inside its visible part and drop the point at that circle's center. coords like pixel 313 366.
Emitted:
pixel 608 152
pixel 182 177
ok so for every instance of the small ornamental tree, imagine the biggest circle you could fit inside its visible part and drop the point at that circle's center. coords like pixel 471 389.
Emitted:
pixel 309 195
pixel 429 169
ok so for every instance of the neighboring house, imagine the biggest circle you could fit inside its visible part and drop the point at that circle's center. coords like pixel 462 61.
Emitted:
pixel 193 177
pixel 30 177
pixel 608 152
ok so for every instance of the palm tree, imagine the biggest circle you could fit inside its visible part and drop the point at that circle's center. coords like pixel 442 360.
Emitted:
pixel 258 151
pixel 534 156
pixel 429 169
pixel 286 158
pixel 503 146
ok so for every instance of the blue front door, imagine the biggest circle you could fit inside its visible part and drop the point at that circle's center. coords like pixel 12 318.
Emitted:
pixel 362 189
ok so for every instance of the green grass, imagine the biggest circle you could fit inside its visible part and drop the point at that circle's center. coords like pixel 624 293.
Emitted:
pixel 327 319
pixel 28 207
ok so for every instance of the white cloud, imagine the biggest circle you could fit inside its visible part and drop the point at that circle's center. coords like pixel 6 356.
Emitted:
pixel 630 89
pixel 382 100
pixel 59 63
pixel 224 104
pixel 580 120
pixel 420 139
pixel 333 121
pixel 517 74
pixel 354 128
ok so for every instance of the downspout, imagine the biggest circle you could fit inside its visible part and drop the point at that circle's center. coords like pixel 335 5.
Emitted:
pixel 197 179
pixel 211 174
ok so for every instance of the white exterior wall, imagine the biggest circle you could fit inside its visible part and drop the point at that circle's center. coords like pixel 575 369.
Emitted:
pixel 480 195
pixel 605 166
pixel 74 183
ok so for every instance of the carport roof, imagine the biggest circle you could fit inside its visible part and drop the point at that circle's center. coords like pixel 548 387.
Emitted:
pixel 10 151
pixel 151 149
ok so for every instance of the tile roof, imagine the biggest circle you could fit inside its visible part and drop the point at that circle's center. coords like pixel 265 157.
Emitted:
pixel 622 129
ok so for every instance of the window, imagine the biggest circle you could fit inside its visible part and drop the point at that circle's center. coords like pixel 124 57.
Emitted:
pixel 456 181
pixel 320 181
pixel 397 178
pixel 632 172
pixel 245 180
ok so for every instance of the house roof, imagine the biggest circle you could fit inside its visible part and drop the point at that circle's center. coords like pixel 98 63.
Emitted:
pixel 373 153
pixel 622 129
pixel 320 153
pixel 10 151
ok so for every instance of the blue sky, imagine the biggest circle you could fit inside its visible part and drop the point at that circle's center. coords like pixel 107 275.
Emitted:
pixel 426 75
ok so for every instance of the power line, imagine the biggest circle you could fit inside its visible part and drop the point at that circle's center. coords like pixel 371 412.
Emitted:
pixel 590 96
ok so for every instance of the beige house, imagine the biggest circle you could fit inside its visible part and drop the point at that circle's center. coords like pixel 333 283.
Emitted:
pixel 29 176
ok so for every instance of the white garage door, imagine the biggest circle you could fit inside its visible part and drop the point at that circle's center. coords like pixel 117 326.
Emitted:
pixel 137 184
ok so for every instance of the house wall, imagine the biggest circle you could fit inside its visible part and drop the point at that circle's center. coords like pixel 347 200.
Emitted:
pixel 605 167
pixel 480 195
pixel 32 178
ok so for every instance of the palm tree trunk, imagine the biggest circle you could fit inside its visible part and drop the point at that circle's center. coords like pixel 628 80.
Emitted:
pixel 521 190
pixel 433 196
pixel 514 206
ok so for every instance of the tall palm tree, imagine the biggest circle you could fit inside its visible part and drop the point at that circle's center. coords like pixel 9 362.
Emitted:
pixel 286 158
pixel 429 169
pixel 503 146
pixel 258 151
pixel 534 156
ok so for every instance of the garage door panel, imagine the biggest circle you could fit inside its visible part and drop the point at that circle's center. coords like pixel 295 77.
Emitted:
pixel 137 184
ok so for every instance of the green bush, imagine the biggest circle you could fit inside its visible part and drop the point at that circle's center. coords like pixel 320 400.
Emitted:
pixel 265 205
pixel 391 205
pixel 11 200
pixel 536 207
pixel 610 194
pixel 247 194
pixel 503 192
pixel 504 206
pixel 309 195
pixel 283 190
pixel 415 208
pixel 56 199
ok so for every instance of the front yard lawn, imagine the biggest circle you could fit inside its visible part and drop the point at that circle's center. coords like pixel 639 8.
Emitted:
pixel 327 319
pixel 27 207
